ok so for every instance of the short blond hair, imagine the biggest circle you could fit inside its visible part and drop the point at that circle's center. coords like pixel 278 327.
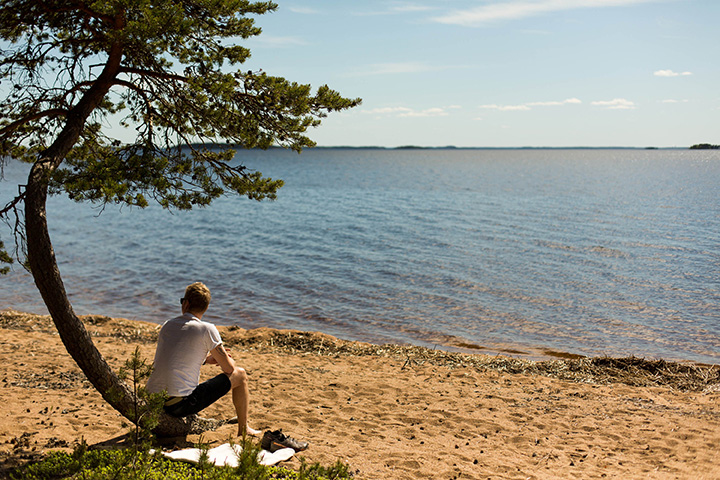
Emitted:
pixel 198 297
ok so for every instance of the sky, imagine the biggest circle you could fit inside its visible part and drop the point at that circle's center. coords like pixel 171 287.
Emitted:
pixel 504 73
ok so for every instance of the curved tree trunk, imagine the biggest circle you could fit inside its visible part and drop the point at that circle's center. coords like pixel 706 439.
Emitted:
pixel 73 333
pixel 46 274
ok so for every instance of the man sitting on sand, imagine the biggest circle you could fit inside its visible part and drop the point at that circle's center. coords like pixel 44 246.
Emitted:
pixel 186 343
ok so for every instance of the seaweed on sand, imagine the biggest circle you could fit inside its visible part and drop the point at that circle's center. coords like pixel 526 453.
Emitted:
pixel 633 371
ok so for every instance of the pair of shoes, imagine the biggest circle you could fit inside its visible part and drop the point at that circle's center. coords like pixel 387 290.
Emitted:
pixel 273 441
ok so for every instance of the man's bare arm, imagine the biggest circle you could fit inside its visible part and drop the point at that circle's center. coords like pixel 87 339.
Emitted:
pixel 220 356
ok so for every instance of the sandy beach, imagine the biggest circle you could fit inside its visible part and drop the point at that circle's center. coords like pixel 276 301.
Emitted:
pixel 392 412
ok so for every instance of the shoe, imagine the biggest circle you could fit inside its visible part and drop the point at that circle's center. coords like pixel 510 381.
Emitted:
pixel 274 441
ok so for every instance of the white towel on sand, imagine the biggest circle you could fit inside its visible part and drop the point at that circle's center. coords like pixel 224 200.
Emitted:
pixel 227 454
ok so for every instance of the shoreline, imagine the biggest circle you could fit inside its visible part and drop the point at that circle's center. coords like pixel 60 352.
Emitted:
pixel 634 371
pixel 448 344
pixel 390 411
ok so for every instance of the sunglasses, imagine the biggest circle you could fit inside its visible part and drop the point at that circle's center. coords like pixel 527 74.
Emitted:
pixel 182 300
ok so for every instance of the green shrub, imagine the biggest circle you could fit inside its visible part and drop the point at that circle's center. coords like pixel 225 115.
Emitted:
pixel 147 406
pixel 131 464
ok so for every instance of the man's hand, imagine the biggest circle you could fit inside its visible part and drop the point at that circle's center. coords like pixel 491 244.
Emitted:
pixel 210 360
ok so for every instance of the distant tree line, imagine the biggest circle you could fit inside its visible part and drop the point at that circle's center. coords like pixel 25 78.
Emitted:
pixel 704 146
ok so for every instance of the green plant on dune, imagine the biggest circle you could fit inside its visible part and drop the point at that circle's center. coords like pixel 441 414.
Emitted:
pixel 147 407
pixel 125 464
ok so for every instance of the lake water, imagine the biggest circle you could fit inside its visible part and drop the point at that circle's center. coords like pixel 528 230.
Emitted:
pixel 522 252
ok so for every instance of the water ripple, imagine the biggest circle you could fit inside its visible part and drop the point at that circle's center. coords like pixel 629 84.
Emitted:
pixel 523 252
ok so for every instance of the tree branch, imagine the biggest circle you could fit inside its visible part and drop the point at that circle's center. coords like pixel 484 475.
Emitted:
pixel 53 112
pixel 12 204
pixel 17 227
pixel 151 74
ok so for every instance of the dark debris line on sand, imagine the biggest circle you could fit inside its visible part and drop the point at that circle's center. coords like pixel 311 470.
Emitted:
pixel 600 370
pixel 632 371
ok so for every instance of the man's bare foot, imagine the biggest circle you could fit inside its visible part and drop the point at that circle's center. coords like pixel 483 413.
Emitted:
pixel 248 431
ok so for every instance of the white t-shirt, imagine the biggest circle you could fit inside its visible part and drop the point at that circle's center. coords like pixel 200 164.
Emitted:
pixel 183 345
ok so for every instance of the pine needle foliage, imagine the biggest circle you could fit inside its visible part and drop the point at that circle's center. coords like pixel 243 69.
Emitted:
pixel 4 258
pixel 166 70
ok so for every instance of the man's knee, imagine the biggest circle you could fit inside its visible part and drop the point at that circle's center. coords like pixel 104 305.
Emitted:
pixel 238 378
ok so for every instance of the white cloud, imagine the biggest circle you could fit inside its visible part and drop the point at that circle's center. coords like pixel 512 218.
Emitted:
pixel 305 10
pixel 544 104
pixel 516 9
pixel 670 73
pixel 405 112
pixel 506 108
pixel 615 104
pixel 387 110
pixel 396 9
pixel 528 106
pixel 429 112
pixel 409 7
pixel 279 42
pixel 574 101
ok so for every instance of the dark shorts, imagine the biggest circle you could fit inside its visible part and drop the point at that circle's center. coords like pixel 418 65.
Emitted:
pixel 202 397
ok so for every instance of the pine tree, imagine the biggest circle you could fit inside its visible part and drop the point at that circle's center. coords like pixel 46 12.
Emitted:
pixel 169 71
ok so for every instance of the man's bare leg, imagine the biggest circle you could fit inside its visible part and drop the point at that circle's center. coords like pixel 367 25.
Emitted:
pixel 241 401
